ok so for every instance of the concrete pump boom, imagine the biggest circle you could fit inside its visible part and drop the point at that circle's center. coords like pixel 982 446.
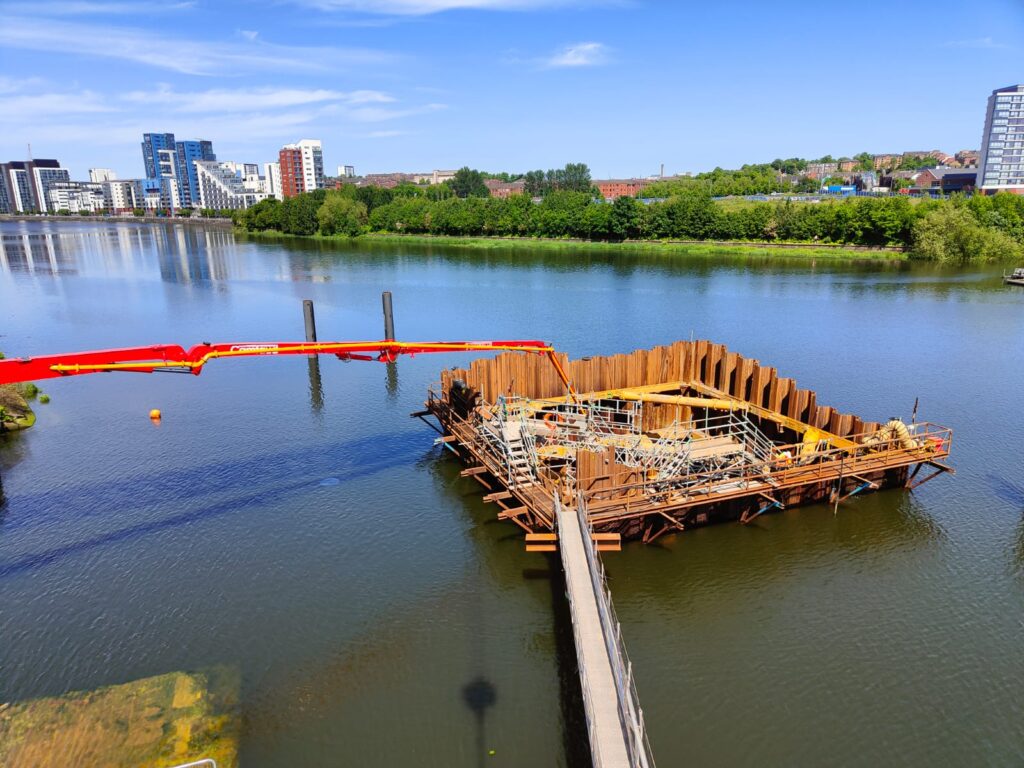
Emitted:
pixel 171 357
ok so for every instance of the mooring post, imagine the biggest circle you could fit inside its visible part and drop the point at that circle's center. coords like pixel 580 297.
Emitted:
pixel 389 317
pixel 307 313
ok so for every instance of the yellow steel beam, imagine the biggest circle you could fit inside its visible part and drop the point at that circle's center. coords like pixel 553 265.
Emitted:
pixel 785 421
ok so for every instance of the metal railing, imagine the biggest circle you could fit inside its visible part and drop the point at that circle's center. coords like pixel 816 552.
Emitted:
pixel 789 466
pixel 631 716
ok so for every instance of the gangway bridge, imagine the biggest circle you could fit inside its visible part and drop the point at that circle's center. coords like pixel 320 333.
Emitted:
pixel 615 721
pixel 615 726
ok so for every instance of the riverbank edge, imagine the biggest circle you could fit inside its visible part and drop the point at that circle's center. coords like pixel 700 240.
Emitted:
pixel 19 413
pixel 687 247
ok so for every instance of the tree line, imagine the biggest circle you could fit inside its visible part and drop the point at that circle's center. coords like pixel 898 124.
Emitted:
pixel 956 230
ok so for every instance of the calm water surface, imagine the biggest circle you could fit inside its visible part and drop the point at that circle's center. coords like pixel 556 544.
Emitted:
pixel 313 537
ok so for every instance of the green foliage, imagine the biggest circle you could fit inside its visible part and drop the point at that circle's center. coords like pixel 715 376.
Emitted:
pixel 468 183
pixel 913 162
pixel 44 398
pixel 28 390
pixel 574 177
pixel 625 218
pixel 341 215
pixel 298 214
pixel 791 166
pixel 981 227
pixel 951 234
pixel 865 161
pixel 748 180
pixel 138 211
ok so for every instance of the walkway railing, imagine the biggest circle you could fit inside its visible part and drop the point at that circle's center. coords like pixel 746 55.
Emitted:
pixel 631 716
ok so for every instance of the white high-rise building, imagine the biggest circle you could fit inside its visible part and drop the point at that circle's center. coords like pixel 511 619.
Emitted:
pixel 1001 167
pixel 99 175
pixel 220 186
pixel 119 196
pixel 272 179
pixel 302 167
pixel 75 197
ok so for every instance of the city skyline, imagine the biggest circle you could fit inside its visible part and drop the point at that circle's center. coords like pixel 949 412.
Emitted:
pixel 495 84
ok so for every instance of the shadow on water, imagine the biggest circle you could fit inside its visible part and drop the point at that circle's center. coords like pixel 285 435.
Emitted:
pixel 466 494
pixel 356 458
pixel 575 742
pixel 478 695
pixel 235 504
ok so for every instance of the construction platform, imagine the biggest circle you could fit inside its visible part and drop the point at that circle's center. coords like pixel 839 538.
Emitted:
pixel 665 439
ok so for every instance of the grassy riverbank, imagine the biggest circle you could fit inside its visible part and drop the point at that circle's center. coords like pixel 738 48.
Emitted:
pixel 15 412
pixel 673 247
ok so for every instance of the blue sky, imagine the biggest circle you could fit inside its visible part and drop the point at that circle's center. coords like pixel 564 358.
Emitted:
pixel 623 85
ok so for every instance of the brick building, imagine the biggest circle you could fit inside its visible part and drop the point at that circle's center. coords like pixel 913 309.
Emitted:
pixel 505 188
pixel 611 189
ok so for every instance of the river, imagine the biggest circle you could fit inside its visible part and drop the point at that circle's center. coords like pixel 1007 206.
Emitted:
pixel 310 535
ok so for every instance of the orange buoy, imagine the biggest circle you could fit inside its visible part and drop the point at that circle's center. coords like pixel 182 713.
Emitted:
pixel 155 414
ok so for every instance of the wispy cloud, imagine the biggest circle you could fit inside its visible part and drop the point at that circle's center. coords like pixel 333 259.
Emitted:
pixel 383 114
pixel 250 99
pixel 424 7
pixel 385 134
pixel 193 57
pixel 87 8
pixel 978 42
pixel 579 55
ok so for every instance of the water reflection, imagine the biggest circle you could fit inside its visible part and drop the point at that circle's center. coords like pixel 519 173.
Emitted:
pixel 201 254
pixel 316 385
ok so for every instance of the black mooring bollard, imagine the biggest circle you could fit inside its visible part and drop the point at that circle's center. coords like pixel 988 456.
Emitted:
pixel 307 313
pixel 389 316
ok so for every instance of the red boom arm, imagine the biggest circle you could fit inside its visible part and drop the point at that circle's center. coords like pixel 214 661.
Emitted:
pixel 171 357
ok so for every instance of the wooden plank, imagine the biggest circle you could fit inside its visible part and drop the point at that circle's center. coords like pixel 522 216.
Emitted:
pixel 541 537
pixel 497 496
pixel 506 514
pixel 541 548
pixel 470 471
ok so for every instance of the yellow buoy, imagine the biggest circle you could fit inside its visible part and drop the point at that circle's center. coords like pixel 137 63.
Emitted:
pixel 155 414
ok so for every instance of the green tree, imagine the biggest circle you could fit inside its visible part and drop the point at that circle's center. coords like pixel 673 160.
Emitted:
pixel 468 183
pixel 575 177
pixel 298 213
pixel 341 215
pixel 950 234
pixel 536 186
pixel 865 161
pixel 624 222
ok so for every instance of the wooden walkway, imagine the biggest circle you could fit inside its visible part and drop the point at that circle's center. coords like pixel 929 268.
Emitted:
pixel 600 695
pixel 615 722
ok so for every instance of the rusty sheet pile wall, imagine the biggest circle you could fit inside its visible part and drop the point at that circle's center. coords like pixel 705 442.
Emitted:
pixel 711 364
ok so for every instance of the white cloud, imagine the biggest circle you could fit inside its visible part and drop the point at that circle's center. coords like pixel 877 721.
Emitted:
pixel 249 34
pixel 250 99
pixel 579 55
pixel 28 107
pixel 978 42
pixel 193 57
pixel 87 8
pixel 382 114
pixel 424 7
pixel 385 134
